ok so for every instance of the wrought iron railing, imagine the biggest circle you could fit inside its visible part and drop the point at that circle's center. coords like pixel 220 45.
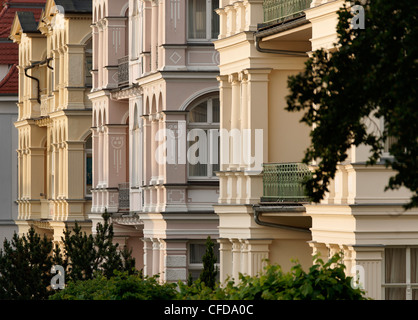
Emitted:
pixel 280 10
pixel 123 71
pixel 124 191
pixel 283 182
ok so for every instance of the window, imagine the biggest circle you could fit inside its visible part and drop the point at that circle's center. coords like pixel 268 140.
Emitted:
pixel 203 21
pixel 88 63
pixel 203 138
pixel 88 166
pixel 401 273
pixel 390 140
pixel 196 253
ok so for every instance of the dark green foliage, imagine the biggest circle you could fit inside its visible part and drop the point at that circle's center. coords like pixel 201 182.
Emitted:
pixel 87 255
pixel 372 75
pixel 210 271
pixel 323 282
pixel 25 267
pixel 121 286
pixel 26 261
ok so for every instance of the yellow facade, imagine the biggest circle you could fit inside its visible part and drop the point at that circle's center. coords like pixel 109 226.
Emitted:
pixel 54 120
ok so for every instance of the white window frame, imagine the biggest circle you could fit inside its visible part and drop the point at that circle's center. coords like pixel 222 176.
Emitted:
pixel 408 285
pixel 208 125
pixel 208 23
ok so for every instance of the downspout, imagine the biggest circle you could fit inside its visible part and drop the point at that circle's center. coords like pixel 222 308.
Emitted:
pixel 36 79
pixel 258 212
pixel 33 65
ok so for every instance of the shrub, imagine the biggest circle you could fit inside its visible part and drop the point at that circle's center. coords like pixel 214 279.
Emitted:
pixel 121 286
pixel 324 281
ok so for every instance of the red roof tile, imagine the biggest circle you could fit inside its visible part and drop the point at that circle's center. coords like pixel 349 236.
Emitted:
pixel 9 84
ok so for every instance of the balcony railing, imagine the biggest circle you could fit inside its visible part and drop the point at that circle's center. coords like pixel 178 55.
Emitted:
pixel 282 182
pixel 123 71
pixel 124 191
pixel 280 10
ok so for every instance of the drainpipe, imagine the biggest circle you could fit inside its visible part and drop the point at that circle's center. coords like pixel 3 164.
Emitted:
pixel 258 212
pixel 264 33
pixel 33 65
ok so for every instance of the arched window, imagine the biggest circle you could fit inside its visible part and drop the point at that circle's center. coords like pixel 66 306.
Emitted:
pixel 203 138
pixel 88 166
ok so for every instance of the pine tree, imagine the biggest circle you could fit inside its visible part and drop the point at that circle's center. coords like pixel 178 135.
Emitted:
pixel 25 267
pixel 210 271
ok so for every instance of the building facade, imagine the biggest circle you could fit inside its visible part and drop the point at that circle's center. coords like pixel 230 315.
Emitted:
pixel 263 213
pixel 8 114
pixel 54 120
pixel 154 81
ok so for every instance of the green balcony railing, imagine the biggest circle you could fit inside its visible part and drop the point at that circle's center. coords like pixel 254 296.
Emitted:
pixel 280 10
pixel 282 182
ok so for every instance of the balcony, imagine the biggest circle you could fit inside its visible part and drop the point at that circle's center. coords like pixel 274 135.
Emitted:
pixel 276 11
pixel 124 192
pixel 123 71
pixel 282 182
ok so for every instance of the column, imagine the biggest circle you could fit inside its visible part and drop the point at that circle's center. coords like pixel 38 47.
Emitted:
pixel 154 164
pixel 367 262
pixel 244 256
pixel 257 116
pixel 154 35
pixel 225 249
pixel 155 256
pixel 258 252
pixel 236 259
pixel 225 95
pixel 148 257
pixel 235 122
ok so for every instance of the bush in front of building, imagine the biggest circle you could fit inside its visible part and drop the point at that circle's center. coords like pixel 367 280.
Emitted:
pixel 121 286
pixel 26 261
pixel 323 281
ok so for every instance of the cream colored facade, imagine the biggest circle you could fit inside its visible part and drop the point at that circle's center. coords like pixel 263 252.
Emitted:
pixel 357 217
pixel 54 118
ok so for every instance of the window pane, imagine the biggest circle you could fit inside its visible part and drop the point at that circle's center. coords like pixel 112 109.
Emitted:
pixel 215 110
pixel 198 169
pixel 197 19
pixel 89 173
pixel 395 265
pixel 395 293
pixel 196 252
pixel 215 19
pixel 199 113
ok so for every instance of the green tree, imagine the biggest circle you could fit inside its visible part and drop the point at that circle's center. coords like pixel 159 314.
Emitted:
pixel 371 75
pixel 210 270
pixel 85 255
pixel 25 267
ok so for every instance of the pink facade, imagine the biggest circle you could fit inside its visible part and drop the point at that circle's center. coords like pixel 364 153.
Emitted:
pixel 154 81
